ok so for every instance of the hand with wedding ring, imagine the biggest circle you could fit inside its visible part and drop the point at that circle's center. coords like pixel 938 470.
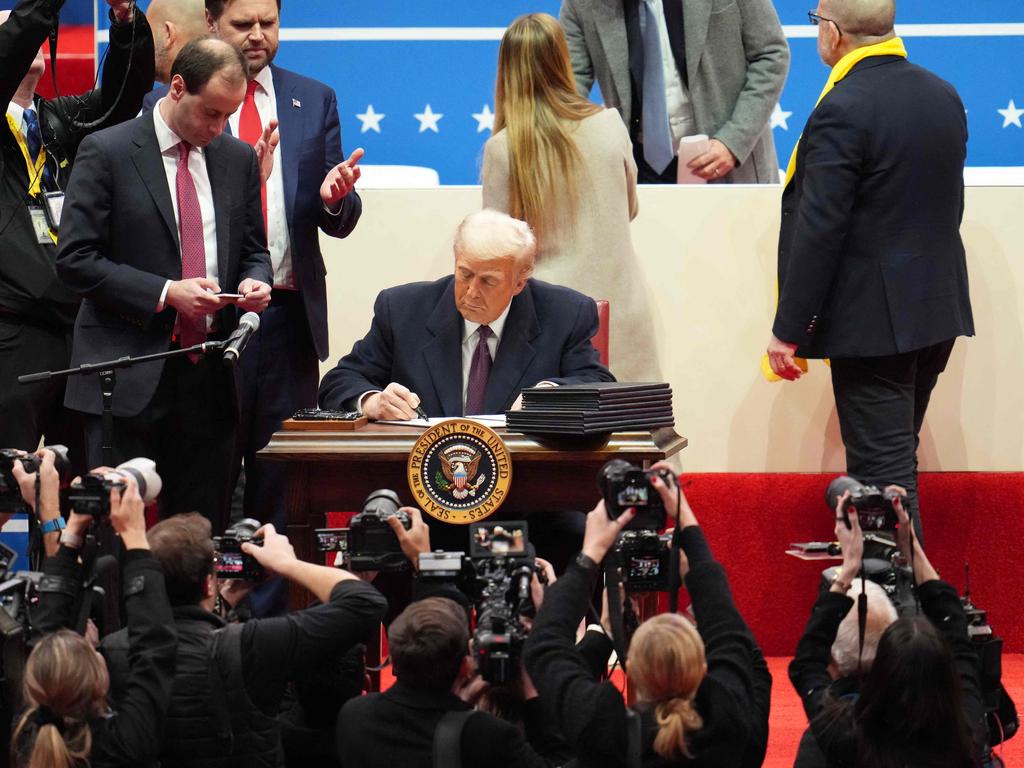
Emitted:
pixel 714 163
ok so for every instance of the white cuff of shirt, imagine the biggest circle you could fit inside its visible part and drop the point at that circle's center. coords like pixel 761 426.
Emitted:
pixel 163 297
pixel 362 399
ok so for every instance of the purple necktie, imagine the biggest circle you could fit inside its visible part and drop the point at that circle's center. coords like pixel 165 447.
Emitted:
pixel 193 247
pixel 479 372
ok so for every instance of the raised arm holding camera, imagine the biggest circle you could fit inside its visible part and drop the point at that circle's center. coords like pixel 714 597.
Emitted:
pixel 703 692
pixel 68 719
pixel 919 703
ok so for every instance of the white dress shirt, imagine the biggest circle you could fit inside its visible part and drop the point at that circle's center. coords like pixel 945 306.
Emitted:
pixel 277 216
pixel 17 113
pixel 677 97
pixel 168 142
pixel 470 338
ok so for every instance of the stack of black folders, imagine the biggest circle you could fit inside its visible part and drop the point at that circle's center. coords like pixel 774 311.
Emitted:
pixel 590 409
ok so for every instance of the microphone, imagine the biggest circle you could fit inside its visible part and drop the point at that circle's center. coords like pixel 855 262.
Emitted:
pixel 247 326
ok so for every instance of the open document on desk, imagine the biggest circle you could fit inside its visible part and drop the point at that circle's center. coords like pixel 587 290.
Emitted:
pixel 489 420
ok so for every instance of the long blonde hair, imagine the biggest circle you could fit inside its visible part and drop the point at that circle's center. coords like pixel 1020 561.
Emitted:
pixel 534 98
pixel 666 662
pixel 68 681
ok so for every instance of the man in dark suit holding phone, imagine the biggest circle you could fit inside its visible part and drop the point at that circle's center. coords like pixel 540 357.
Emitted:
pixel 872 270
pixel 162 213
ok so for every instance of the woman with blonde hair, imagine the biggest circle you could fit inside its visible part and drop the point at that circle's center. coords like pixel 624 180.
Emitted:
pixel 703 691
pixel 67 722
pixel 565 166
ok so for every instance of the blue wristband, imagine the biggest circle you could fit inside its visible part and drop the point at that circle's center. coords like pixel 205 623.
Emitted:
pixel 53 526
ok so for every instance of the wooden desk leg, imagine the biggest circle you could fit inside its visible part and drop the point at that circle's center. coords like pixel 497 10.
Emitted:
pixel 301 522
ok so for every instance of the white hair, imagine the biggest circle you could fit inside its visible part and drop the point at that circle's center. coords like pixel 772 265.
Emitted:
pixel 881 613
pixel 491 235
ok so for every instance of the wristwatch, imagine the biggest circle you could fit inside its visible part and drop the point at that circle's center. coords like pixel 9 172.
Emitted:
pixel 52 526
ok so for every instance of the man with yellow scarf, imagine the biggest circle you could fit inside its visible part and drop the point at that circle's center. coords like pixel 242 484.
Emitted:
pixel 872 271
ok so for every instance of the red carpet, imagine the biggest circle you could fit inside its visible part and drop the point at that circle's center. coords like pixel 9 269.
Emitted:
pixel 76 62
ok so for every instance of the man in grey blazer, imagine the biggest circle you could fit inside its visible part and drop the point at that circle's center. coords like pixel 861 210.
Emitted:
pixel 720 64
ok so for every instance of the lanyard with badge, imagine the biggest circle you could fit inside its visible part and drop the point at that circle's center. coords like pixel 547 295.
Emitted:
pixel 44 207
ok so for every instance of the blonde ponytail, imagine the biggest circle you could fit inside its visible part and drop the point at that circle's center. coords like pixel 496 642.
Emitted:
pixel 676 719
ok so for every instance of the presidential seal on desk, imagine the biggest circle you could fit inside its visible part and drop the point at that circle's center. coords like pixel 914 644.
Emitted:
pixel 459 471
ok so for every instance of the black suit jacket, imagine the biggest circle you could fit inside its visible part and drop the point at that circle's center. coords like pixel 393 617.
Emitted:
pixel 395 729
pixel 415 339
pixel 870 257
pixel 310 146
pixel 119 246
pixel 29 287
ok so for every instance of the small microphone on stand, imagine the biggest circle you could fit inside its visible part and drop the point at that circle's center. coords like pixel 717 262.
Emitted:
pixel 236 342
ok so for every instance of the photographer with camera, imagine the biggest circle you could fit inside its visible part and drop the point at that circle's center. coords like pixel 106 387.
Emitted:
pixel 38 144
pixel 68 720
pixel 703 692
pixel 38 482
pixel 919 703
pixel 230 679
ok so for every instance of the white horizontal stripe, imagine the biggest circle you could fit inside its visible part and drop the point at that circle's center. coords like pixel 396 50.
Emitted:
pixel 381 34
pixel 17 525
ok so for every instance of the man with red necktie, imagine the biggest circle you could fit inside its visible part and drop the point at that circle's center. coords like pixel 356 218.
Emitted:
pixel 161 215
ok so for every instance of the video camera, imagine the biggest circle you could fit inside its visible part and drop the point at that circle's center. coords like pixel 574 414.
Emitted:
pixel 496 576
pixel 369 544
pixel 91 495
pixel 876 509
pixel 10 492
pixel 230 562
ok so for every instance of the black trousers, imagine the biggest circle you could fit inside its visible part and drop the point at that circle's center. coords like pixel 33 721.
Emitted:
pixel 280 374
pixel 645 174
pixel 881 403
pixel 188 429
pixel 31 411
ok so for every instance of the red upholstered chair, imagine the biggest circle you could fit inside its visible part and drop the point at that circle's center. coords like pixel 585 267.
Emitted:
pixel 600 339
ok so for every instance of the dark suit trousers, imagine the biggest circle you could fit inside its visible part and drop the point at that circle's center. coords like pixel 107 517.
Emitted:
pixel 279 375
pixel 881 403
pixel 647 175
pixel 188 429
pixel 30 411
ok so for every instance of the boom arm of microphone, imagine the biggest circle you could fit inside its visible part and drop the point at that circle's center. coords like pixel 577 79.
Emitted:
pixel 247 326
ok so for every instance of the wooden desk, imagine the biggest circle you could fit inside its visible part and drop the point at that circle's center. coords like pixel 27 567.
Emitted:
pixel 334 470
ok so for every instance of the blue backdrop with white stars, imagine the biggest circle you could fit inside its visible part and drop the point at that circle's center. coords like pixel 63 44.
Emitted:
pixel 412 93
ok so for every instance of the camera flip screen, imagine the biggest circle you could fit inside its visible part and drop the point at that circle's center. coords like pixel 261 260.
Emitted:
pixel 633 496
pixel 644 567
pixel 229 564
pixel 498 539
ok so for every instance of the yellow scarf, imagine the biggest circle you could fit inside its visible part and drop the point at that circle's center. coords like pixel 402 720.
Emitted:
pixel 891 47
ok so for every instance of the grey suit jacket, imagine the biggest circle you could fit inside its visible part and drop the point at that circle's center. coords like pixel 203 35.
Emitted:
pixel 737 59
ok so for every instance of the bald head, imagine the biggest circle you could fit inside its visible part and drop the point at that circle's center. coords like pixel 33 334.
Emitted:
pixel 862 18
pixel 174 23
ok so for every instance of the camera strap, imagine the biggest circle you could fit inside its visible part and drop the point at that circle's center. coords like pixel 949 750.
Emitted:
pixel 448 738
pixel 613 583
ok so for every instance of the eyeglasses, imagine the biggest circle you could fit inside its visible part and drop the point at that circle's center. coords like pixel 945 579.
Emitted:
pixel 816 19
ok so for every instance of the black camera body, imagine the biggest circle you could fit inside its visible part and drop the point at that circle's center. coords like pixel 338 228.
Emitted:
pixel 91 494
pixel 624 485
pixel 876 509
pixel 230 562
pixel 645 561
pixel 10 492
pixel 496 576
pixel 372 545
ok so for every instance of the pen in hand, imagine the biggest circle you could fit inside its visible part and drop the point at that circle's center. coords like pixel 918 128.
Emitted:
pixel 421 413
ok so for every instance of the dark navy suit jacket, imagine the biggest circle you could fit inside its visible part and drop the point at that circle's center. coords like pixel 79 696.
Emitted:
pixel 119 246
pixel 307 111
pixel 870 257
pixel 415 339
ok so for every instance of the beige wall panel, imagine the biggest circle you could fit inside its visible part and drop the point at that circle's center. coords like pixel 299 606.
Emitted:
pixel 709 258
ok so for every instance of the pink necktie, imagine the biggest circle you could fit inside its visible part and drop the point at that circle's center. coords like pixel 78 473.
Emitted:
pixel 479 373
pixel 193 249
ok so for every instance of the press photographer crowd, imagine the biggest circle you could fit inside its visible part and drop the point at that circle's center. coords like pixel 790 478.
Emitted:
pixel 496 660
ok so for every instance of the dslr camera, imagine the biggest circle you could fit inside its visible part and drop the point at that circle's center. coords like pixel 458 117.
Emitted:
pixel 645 561
pixel 875 509
pixel 624 485
pixel 230 562
pixel 496 576
pixel 10 492
pixel 372 545
pixel 91 494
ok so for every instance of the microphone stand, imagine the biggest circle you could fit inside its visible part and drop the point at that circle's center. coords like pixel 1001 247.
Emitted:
pixel 108 380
